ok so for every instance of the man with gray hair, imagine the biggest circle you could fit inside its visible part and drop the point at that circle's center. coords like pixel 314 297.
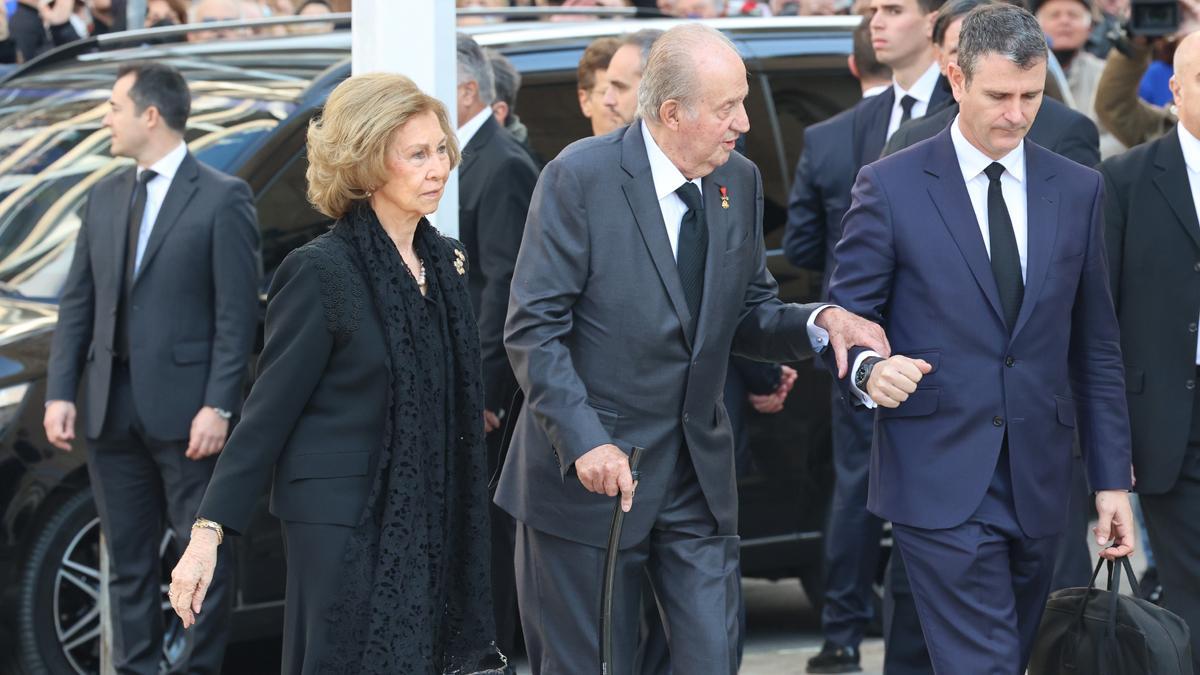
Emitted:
pixel 625 73
pixel 982 255
pixel 496 180
pixel 642 268
pixel 508 83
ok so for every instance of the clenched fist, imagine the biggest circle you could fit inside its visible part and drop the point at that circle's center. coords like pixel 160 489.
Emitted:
pixel 894 379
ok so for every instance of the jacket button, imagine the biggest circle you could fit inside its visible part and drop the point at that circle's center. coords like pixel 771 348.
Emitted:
pixel 686 417
pixel 1196 267
pixel 1010 362
pixel 1190 384
pixel 997 421
pixel 1192 327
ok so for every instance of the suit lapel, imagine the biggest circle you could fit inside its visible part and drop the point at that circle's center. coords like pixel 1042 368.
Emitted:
pixel 183 186
pixel 872 125
pixel 120 222
pixel 717 219
pixel 474 146
pixel 1172 182
pixel 950 198
pixel 643 202
pixel 1041 226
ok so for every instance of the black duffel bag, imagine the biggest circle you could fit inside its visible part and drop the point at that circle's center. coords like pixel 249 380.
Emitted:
pixel 1087 631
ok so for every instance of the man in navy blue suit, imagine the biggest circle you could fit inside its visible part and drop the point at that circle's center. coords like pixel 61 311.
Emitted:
pixel 982 255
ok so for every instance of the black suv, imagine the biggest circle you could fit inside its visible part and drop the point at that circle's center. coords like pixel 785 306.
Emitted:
pixel 252 101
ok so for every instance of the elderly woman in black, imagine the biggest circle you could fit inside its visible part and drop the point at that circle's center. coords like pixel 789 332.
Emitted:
pixel 367 413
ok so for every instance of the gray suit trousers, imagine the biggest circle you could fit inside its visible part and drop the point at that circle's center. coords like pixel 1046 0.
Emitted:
pixel 694 574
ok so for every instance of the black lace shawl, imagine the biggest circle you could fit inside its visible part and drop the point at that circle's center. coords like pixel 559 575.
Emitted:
pixel 416 587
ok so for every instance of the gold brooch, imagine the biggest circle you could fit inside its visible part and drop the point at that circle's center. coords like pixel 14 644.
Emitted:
pixel 459 259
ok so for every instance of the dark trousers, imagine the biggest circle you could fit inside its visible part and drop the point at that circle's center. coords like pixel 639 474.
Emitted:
pixel 1171 522
pixel 853 534
pixel 504 588
pixel 980 587
pixel 315 560
pixel 693 572
pixel 905 652
pixel 137 480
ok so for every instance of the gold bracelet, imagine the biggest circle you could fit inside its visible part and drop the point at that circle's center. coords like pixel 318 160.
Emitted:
pixel 206 524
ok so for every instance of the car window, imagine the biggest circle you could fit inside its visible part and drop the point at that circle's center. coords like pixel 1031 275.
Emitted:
pixel 54 149
pixel 286 218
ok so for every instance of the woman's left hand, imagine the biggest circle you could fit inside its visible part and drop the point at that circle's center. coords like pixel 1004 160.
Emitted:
pixel 191 577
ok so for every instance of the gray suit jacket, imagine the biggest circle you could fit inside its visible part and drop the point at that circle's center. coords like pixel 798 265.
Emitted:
pixel 194 303
pixel 595 333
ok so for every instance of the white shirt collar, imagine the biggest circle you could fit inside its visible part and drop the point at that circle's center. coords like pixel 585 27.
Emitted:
pixel 467 131
pixel 876 90
pixel 667 176
pixel 972 161
pixel 922 89
pixel 168 166
pixel 1191 148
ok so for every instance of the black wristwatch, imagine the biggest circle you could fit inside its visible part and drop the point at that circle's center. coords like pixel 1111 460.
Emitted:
pixel 863 374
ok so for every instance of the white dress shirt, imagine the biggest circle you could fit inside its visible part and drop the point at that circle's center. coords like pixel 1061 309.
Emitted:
pixel 156 192
pixel 1191 157
pixel 667 179
pixel 875 91
pixel 468 130
pixel 922 90
pixel 972 162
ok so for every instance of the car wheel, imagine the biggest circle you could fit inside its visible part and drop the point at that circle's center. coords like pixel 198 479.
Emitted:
pixel 58 612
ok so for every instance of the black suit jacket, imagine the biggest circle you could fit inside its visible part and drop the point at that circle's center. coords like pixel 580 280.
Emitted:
pixel 826 172
pixel 1056 128
pixel 314 420
pixel 1153 241
pixel 194 303
pixel 497 180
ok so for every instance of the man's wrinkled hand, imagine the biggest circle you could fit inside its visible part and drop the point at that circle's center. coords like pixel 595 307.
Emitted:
pixel 894 379
pixel 59 422
pixel 848 330
pixel 209 431
pixel 1114 523
pixel 605 470
pixel 192 576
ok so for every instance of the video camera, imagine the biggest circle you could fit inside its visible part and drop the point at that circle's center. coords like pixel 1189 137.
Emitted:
pixel 1153 18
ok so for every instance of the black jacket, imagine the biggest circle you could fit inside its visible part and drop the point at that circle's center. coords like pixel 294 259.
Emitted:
pixel 194 306
pixel 497 180
pixel 313 423
pixel 1153 241
pixel 1056 128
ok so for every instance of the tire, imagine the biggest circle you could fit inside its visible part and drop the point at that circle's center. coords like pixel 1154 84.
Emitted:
pixel 57 610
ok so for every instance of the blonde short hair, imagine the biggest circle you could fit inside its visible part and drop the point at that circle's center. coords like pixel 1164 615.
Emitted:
pixel 348 144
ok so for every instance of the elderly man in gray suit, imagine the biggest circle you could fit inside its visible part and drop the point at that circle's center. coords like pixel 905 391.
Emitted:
pixel 642 267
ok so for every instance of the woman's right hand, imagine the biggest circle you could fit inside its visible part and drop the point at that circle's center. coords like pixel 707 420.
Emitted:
pixel 191 577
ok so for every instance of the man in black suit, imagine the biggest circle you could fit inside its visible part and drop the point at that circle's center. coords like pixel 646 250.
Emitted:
pixel 497 180
pixel 900 33
pixel 1153 238
pixel 159 313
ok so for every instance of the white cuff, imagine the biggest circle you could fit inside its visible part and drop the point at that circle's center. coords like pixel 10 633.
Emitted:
pixel 862 395
pixel 817 336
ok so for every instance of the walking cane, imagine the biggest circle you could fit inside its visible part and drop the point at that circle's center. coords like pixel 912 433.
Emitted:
pixel 610 571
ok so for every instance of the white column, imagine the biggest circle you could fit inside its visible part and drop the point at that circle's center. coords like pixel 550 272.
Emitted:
pixel 415 38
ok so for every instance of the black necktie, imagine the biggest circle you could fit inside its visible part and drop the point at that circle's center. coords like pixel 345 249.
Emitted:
pixel 136 212
pixel 1006 259
pixel 137 208
pixel 693 247
pixel 906 104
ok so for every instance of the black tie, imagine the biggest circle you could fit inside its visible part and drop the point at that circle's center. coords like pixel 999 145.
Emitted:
pixel 137 210
pixel 1006 259
pixel 693 247
pixel 906 104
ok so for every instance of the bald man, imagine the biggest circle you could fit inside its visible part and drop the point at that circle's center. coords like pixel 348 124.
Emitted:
pixel 209 11
pixel 1153 238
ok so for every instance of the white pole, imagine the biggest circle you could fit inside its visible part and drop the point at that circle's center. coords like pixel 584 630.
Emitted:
pixel 415 38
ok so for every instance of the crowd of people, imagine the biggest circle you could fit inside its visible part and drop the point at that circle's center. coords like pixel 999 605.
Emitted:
pixel 981 416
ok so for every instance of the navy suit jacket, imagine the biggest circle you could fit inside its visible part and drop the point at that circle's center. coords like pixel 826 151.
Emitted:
pixel 912 257
pixel 825 173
